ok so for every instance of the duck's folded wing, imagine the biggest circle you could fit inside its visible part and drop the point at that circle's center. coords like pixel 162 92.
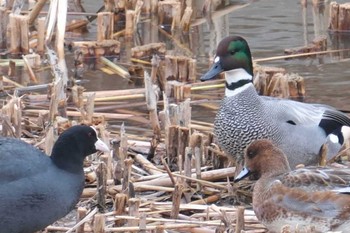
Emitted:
pixel 316 179
pixel 332 120
pixel 19 160
pixel 299 113
pixel 323 204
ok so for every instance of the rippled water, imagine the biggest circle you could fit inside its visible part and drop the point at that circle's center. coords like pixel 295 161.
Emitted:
pixel 270 27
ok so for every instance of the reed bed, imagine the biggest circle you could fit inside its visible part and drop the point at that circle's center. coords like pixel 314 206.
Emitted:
pixel 165 172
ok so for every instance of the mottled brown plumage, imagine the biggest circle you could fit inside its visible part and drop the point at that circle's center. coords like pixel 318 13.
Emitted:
pixel 304 198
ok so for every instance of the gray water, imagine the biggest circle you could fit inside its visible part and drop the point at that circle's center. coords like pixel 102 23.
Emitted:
pixel 270 27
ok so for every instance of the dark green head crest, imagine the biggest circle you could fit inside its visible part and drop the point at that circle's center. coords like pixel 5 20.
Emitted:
pixel 234 53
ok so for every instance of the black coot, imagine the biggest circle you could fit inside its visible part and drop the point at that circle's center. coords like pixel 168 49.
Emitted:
pixel 35 189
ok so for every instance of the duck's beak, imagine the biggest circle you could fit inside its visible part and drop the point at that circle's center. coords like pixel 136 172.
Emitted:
pixel 214 70
pixel 101 146
pixel 243 174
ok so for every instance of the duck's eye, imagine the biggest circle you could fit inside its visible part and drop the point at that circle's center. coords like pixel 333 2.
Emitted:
pixel 234 51
pixel 251 154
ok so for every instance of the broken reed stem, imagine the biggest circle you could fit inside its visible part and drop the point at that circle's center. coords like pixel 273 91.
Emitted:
pixel 62 8
pixel 155 61
pixel 299 55
pixel 97 114
pixel 239 219
pixel 142 223
pixel 105 26
pixel 134 204
pixel 151 228
pixel 118 95
pixel 172 145
pixel 198 163
pixel 184 225
pixel 197 148
pixel 7 80
pixel 99 223
pixel 206 200
pixel 121 153
pixel 90 105
pixel 12 112
pixel 127 175
pixel 168 171
pixel 81 214
pixel 145 187
pixel 187 165
pixel 218 13
pixel 61 78
pixel 207 176
pixel 118 69
pixel 121 200
pixel 138 218
pixel 183 140
pixel 147 165
pixel 33 14
pixel 12 69
pixel 41 35
pixel 151 101
pixel 129 23
pixel 117 98
pixel 15 34
pixel 81 222
pixel 143 62
pixel 186 19
pixel 30 70
pixel 176 199
pixel 26 12
pixel 253 225
pixel 215 211
pixel 101 186
pixel 77 25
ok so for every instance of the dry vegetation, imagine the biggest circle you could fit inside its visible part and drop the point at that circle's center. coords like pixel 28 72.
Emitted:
pixel 165 174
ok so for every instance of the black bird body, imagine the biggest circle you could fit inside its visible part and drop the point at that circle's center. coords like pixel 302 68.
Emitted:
pixel 36 189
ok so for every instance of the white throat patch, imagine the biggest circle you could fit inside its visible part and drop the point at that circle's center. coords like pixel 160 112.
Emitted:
pixel 233 76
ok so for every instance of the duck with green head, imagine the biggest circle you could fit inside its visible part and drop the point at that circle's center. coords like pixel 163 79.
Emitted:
pixel 299 129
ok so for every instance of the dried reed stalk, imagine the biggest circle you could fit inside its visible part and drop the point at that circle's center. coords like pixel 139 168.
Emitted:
pixel 118 69
pixel 166 181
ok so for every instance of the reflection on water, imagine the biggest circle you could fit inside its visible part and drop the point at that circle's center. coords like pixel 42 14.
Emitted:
pixel 270 26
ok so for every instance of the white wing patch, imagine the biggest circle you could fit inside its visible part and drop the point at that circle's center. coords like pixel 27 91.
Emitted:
pixel 334 138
